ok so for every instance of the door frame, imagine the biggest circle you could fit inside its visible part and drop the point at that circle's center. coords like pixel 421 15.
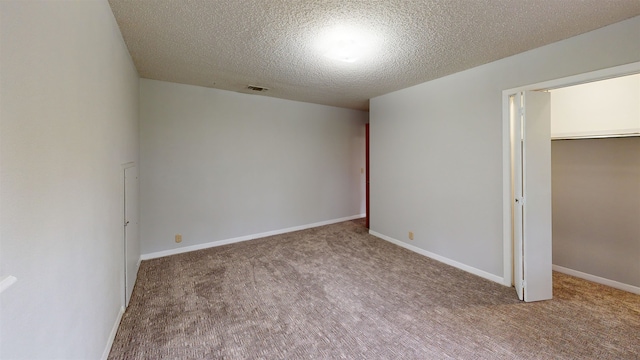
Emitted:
pixel 367 188
pixel 613 72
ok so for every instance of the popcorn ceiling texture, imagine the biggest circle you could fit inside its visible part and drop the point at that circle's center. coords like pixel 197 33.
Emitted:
pixel 230 44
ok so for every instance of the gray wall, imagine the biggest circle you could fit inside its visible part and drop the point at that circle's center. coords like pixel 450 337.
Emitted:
pixel 68 120
pixel 596 207
pixel 218 165
pixel 436 148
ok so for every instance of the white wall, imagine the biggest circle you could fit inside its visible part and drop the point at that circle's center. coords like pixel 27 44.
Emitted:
pixel 436 148
pixel 217 165
pixel 68 116
pixel 601 108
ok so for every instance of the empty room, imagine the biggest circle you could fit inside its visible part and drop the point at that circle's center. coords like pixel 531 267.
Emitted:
pixel 280 179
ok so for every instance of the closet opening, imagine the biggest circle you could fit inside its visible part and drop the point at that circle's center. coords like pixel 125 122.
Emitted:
pixel 541 255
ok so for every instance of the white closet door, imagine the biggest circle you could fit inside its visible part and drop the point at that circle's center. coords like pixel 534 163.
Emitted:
pixel 131 244
pixel 517 189
pixel 536 213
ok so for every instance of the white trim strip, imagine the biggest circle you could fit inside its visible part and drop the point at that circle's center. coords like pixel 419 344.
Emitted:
pixel 442 259
pixel 597 279
pixel 112 335
pixel 128 165
pixel 591 76
pixel 596 134
pixel 185 249
pixel 6 282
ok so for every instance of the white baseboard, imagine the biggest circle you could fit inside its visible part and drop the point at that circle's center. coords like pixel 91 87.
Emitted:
pixel 597 279
pixel 442 259
pixel 112 335
pixel 185 249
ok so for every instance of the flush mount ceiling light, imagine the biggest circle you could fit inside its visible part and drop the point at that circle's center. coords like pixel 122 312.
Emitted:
pixel 346 44
pixel 347 50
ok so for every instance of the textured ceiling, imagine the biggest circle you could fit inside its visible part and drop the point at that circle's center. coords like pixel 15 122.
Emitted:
pixel 229 44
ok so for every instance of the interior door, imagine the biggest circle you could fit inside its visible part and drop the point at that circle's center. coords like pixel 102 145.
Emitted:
pixel 516 118
pixel 367 174
pixel 131 243
pixel 536 199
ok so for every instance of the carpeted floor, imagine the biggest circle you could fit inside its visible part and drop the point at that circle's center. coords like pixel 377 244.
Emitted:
pixel 336 292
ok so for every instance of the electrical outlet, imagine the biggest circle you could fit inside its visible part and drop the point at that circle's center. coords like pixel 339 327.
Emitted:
pixel 361 170
pixel 410 235
pixel 178 238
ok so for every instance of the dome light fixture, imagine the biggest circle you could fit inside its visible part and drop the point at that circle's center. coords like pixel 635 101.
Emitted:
pixel 345 44
pixel 347 50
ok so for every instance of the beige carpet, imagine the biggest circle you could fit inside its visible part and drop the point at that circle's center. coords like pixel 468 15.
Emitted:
pixel 336 292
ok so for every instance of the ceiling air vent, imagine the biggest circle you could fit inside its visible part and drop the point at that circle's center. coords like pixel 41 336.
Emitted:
pixel 257 88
